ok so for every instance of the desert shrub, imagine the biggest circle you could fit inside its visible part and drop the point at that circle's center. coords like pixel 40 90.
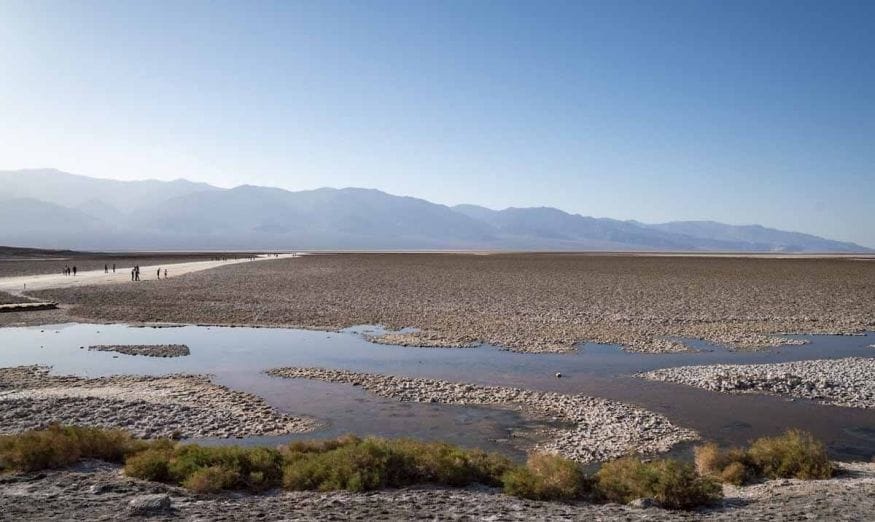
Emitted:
pixel 672 484
pixel 362 465
pixel 209 469
pixel 441 463
pixel 546 477
pixel 61 446
pixel 251 469
pixel 356 467
pixel 795 454
pixel 152 464
pixel 211 480
pixel 294 450
pixel 731 466
pixel 736 473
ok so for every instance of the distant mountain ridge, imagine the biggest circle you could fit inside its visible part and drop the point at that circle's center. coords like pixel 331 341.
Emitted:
pixel 51 209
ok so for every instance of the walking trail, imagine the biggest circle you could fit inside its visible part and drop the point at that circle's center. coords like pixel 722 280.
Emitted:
pixel 20 284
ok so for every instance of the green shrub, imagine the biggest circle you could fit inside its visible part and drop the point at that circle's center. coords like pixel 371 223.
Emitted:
pixel 358 467
pixel 204 469
pixel 442 463
pixel 795 454
pixel 294 450
pixel 152 464
pixel 211 480
pixel 362 465
pixel 546 477
pixel 61 446
pixel 672 484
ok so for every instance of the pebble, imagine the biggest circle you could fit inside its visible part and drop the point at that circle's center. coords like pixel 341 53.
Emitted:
pixel 149 504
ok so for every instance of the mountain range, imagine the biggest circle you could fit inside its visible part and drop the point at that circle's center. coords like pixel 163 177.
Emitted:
pixel 47 208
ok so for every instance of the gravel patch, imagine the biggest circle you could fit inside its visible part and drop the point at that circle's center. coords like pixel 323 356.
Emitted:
pixel 523 302
pixel 148 350
pixel 169 406
pixel 842 382
pixel 599 429
pixel 97 491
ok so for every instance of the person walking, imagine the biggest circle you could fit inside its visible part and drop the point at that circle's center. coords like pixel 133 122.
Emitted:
pixel 165 273
pixel 133 271
pixel 113 268
pixel 138 272
pixel 105 269
pixel 159 273
pixel 74 270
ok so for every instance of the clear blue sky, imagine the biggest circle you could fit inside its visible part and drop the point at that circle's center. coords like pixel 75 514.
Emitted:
pixel 742 112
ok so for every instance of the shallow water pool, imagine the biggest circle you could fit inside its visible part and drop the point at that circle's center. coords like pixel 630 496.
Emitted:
pixel 238 356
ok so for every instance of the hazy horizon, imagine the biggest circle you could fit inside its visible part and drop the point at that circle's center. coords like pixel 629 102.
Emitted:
pixel 741 112
pixel 451 205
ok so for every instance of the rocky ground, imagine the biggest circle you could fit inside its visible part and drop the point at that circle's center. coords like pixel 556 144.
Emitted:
pixel 97 491
pixel 598 429
pixel 843 382
pixel 171 406
pixel 524 302
pixel 147 350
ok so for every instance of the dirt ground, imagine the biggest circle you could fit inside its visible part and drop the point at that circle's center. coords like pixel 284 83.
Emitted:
pixel 525 302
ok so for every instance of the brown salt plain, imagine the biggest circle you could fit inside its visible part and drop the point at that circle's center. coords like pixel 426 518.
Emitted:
pixel 524 302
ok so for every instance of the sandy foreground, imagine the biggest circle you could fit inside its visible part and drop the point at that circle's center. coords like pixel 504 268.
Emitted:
pixel 96 491
pixel 523 302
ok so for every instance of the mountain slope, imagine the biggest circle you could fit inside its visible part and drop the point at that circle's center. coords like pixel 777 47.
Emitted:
pixel 755 237
pixel 52 209
pixel 370 216
pixel 71 190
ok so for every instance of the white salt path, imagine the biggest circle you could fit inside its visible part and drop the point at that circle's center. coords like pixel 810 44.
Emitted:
pixel 17 285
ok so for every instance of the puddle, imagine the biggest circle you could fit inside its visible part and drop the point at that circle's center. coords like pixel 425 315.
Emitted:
pixel 238 356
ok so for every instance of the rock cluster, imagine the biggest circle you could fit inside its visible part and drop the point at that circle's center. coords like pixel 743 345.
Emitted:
pixel 598 429
pixel 843 382
pixel 179 406
pixel 148 350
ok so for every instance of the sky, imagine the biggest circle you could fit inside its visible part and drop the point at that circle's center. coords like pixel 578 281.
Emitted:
pixel 735 111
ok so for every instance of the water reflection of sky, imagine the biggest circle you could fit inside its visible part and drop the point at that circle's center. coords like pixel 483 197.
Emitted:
pixel 237 357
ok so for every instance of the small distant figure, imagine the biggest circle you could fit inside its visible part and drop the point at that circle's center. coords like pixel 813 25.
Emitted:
pixel 133 273
pixel 74 270
pixel 165 273
pixel 159 272
pixel 105 269
pixel 113 268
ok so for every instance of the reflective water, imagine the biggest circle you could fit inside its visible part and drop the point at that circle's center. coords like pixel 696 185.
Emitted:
pixel 238 356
